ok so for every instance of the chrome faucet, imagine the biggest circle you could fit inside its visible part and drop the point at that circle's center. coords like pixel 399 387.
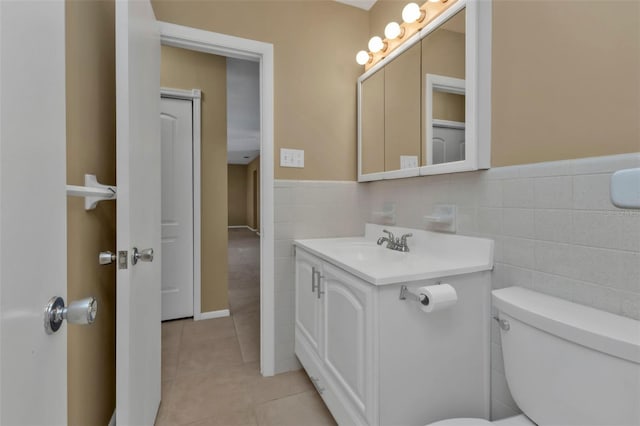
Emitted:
pixel 394 243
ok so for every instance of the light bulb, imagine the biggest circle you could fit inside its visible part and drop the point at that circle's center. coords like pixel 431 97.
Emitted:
pixel 393 30
pixel 411 13
pixel 376 44
pixel 363 57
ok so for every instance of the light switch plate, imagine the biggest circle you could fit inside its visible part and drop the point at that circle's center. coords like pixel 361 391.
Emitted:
pixel 291 157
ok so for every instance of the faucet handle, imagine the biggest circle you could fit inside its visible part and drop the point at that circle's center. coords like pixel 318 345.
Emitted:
pixel 405 236
pixel 390 234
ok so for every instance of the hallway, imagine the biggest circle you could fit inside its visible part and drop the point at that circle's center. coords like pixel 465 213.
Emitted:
pixel 211 368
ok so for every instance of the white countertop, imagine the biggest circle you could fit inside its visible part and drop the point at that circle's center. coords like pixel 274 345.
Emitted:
pixel 431 255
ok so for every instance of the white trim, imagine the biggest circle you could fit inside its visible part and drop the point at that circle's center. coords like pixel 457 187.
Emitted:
pixel 112 420
pixel 235 47
pixel 448 124
pixel 243 227
pixel 195 96
pixel 214 314
pixel 189 95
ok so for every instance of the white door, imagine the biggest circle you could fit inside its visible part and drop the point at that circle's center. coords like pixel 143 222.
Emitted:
pixel 138 212
pixel 176 119
pixel 33 248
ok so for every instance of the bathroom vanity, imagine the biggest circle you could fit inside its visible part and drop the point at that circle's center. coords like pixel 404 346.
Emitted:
pixel 378 360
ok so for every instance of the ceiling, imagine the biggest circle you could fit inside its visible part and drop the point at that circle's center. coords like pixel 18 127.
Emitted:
pixel 243 111
pixel 362 4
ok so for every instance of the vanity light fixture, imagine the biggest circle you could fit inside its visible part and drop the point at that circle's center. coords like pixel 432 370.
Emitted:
pixel 393 30
pixel 412 13
pixel 363 57
pixel 376 44
pixel 415 18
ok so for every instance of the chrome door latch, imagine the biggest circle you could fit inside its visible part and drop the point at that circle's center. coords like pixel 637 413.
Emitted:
pixel 123 259
pixel 106 258
pixel 145 255
pixel 81 312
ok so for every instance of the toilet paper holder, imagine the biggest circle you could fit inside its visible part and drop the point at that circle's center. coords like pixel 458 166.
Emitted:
pixel 405 294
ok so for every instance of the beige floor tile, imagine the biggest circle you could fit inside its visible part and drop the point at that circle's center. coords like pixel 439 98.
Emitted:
pixel 250 345
pixel 169 362
pixel 229 418
pixel 209 355
pixel 282 385
pixel 217 328
pixel 200 396
pixel 171 333
pixel 304 408
pixel 243 305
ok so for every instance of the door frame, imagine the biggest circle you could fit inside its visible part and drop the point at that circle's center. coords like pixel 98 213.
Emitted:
pixel 195 97
pixel 235 47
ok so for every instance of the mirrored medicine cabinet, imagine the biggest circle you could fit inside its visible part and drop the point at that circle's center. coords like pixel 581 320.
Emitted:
pixel 425 108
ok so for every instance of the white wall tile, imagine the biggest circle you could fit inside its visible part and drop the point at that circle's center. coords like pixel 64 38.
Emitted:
pixel 491 194
pixel 599 297
pixel 500 389
pixel 553 225
pixel 609 268
pixel 283 249
pixel 553 192
pixel 509 276
pixel 517 193
pixel 490 221
pixel 608 229
pixel 591 192
pixel 518 223
pixel 502 411
pixel 518 252
pixel 630 305
pixel 554 258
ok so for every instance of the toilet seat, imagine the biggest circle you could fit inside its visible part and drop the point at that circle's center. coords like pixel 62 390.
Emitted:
pixel 520 420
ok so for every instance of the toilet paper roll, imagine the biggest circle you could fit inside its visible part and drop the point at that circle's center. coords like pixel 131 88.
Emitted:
pixel 435 298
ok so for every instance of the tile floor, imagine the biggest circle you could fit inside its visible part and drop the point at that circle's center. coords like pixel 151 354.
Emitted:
pixel 211 369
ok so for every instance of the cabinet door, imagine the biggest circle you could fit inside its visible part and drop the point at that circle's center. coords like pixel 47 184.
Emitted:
pixel 307 301
pixel 348 338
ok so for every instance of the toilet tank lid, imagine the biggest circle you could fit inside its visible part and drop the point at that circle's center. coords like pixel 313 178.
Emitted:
pixel 612 334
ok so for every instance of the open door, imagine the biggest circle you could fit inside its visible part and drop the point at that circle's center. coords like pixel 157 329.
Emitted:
pixel 138 213
pixel 33 212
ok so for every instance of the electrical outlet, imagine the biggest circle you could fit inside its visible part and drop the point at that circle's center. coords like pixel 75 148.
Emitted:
pixel 291 158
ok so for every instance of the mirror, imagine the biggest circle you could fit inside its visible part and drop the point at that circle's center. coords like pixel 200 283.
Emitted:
pixel 419 107
pixel 443 68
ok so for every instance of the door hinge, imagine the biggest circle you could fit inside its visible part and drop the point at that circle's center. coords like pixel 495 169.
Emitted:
pixel 123 262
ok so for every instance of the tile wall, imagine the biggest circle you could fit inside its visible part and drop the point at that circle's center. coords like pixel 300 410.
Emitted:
pixel 308 209
pixel 555 231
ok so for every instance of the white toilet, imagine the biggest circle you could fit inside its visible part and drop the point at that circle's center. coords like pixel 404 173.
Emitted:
pixel 566 364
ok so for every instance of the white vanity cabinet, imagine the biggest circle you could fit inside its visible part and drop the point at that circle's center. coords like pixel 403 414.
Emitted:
pixel 379 360
pixel 335 337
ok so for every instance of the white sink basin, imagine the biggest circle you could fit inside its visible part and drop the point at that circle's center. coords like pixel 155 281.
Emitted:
pixel 431 255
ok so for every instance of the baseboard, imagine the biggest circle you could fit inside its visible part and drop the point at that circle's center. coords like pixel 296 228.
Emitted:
pixel 244 227
pixel 112 421
pixel 214 314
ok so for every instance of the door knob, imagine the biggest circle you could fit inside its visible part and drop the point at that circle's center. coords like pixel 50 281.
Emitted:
pixel 81 312
pixel 145 255
pixel 106 257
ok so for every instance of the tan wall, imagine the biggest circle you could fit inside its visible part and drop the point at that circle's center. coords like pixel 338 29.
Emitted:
pixel 185 69
pixel 566 80
pixel 315 43
pixel 90 91
pixel 237 194
pixel 251 167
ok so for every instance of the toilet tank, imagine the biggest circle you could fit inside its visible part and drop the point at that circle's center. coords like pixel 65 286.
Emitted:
pixel 568 364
